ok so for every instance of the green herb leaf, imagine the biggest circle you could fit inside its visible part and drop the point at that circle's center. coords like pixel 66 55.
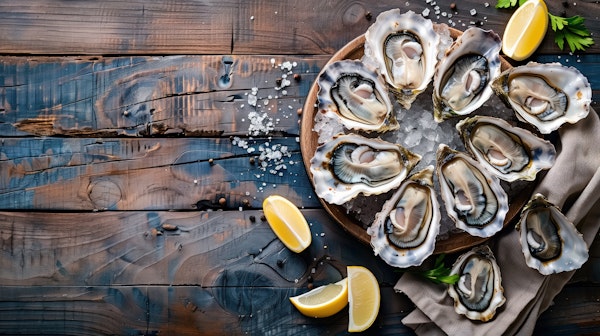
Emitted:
pixel 572 31
pixel 507 3
pixel 440 273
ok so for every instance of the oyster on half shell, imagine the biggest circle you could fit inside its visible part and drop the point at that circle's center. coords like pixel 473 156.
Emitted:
pixel 473 197
pixel 357 96
pixel 545 95
pixel 550 242
pixel 405 230
pixel 462 79
pixel 351 164
pixel 509 152
pixel 404 48
pixel 478 292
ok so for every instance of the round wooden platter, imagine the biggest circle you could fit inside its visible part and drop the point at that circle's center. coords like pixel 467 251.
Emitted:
pixel 457 241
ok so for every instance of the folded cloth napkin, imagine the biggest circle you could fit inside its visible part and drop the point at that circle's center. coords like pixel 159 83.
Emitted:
pixel 572 184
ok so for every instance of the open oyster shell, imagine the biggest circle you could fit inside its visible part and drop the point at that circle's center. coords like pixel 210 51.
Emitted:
pixel 404 48
pixel 545 95
pixel 351 164
pixel 473 197
pixel 404 231
pixel 509 152
pixel 478 292
pixel 550 242
pixel 355 94
pixel 462 79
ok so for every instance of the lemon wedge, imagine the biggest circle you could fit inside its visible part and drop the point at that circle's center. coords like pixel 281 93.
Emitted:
pixel 323 301
pixel 287 222
pixel 364 298
pixel 525 30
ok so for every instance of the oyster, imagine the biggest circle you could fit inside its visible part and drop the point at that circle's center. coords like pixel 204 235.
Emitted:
pixel 462 78
pixel 404 231
pixel 478 292
pixel 509 152
pixel 473 196
pixel 550 242
pixel 545 95
pixel 351 164
pixel 356 95
pixel 404 47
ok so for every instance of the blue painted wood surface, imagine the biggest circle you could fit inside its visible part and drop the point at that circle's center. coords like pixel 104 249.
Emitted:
pixel 131 180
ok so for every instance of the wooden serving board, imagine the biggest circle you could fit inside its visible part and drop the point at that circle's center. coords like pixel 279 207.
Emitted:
pixel 457 241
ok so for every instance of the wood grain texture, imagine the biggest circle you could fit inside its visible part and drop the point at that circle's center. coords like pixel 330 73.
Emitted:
pixel 176 310
pixel 150 173
pixel 172 248
pixel 131 273
pixel 150 96
pixel 128 205
pixel 230 26
pixel 575 312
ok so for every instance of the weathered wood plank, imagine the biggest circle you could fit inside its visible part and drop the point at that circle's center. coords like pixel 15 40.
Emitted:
pixel 173 273
pixel 189 310
pixel 176 310
pixel 575 312
pixel 151 173
pixel 186 95
pixel 223 27
pixel 171 248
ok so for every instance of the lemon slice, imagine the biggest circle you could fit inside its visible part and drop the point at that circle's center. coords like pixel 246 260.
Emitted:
pixel 364 298
pixel 525 30
pixel 287 222
pixel 323 301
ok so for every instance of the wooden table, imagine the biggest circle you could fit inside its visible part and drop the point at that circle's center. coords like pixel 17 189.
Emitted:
pixel 131 183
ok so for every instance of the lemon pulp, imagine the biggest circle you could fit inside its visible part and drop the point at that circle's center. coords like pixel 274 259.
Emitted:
pixel 323 301
pixel 364 298
pixel 287 222
pixel 525 30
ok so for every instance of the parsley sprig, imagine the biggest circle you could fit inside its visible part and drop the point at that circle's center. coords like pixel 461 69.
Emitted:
pixel 439 273
pixel 571 30
pixel 509 3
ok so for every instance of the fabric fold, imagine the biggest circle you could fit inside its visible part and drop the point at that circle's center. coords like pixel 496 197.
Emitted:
pixel 573 184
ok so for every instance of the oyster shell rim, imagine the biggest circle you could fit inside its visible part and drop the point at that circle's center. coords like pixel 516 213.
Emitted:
pixel 428 246
pixel 530 172
pixel 498 300
pixel 547 267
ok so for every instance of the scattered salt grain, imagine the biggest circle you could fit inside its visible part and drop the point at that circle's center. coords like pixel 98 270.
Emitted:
pixel 473 12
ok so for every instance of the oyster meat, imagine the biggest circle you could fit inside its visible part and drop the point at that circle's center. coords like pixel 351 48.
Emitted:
pixel 351 164
pixel 545 95
pixel 405 230
pixel 478 292
pixel 509 152
pixel 404 48
pixel 356 95
pixel 473 196
pixel 462 79
pixel 550 242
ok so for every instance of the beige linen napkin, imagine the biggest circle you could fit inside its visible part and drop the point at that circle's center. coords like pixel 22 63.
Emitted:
pixel 573 184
